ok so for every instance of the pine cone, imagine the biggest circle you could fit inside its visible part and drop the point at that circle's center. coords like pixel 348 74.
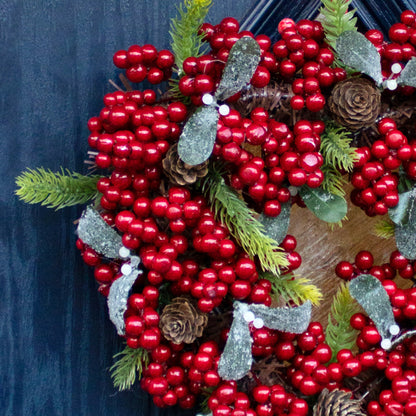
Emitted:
pixel 179 172
pixel 337 403
pixel 355 103
pixel 181 321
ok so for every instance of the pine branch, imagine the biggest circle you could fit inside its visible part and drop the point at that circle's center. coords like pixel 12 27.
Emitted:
pixel 128 367
pixel 339 333
pixel 56 190
pixel 184 30
pixel 384 229
pixel 337 19
pixel 334 181
pixel 289 288
pixel 243 226
pixel 336 148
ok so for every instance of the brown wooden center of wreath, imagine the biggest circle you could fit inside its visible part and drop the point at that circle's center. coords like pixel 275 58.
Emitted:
pixel 322 249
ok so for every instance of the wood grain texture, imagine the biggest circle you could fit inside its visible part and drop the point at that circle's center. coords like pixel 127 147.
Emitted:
pixel 56 342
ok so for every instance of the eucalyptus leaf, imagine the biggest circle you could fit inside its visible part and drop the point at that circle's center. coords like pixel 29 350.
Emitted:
pixel 118 298
pixel 288 319
pixel 357 52
pixel 96 233
pixel 371 295
pixel 326 206
pixel 242 62
pixel 236 359
pixel 406 239
pixel 400 213
pixel 198 136
pixel 408 74
pixel 276 227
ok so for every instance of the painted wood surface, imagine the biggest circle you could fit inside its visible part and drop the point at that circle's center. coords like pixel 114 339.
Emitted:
pixel 56 342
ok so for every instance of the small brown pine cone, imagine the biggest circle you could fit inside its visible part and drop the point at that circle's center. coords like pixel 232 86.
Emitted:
pixel 337 403
pixel 355 103
pixel 181 321
pixel 179 172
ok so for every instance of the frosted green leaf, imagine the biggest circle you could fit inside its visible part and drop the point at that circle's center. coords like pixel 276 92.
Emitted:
pixel 198 137
pixel 118 298
pixel 326 206
pixel 357 52
pixel 408 74
pixel 276 227
pixel 96 233
pixel 371 295
pixel 294 320
pixel 236 359
pixel 241 64
pixel 400 213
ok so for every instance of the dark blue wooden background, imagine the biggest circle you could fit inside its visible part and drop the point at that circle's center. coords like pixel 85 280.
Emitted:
pixel 56 343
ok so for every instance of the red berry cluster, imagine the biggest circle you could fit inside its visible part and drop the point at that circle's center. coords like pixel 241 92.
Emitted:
pixel 145 62
pixel 401 48
pixel 132 133
pixel 142 319
pixel 266 401
pixel 374 175
pixel 302 48
pixel 203 74
pixel 398 367
pixel 175 376
pixel 289 158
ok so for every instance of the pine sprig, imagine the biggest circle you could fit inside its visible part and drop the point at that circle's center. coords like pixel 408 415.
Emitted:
pixel 129 366
pixel 337 19
pixel 184 30
pixel 384 229
pixel 334 181
pixel 56 190
pixel 243 226
pixel 339 333
pixel 336 147
pixel 290 288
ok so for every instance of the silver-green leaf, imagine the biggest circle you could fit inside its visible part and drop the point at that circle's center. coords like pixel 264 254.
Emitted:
pixel 357 52
pixel 198 136
pixel 276 227
pixel 371 295
pixel 242 62
pixel 401 212
pixel 326 206
pixel 408 74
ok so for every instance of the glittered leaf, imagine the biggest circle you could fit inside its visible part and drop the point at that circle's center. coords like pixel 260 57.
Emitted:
pixel 96 233
pixel 276 227
pixel 357 52
pixel 118 297
pixel 371 295
pixel 406 240
pixel 294 320
pixel 326 206
pixel 400 213
pixel 241 64
pixel 408 74
pixel 236 359
pixel 198 136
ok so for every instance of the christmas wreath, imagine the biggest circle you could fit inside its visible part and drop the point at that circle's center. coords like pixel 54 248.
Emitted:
pixel 191 191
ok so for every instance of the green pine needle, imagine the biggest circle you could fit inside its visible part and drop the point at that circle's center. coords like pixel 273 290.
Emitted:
pixel 56 190
pixel 334 181
pixel 384 229
pixel 243 226
pixel 184 30
pixel 297 290
pixel 336 147
pixel 129 366
pixel 337 19
pixel 339 333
